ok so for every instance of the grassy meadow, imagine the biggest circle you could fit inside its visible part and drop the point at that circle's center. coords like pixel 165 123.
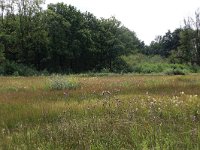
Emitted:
pixel 100 112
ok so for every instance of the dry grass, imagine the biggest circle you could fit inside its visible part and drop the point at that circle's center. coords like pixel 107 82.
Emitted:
pixel 115 112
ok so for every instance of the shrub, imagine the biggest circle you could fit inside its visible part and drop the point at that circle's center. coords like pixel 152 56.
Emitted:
pixel 170 69
pixel 105 70
pixel 149 68
pixel 15 69
pixel 176 71
pixel 181 71
pixel 136 59
pixel 195 69
pixel 60 83
pixel 121 66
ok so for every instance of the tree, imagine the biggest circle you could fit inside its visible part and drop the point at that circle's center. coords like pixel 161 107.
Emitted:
pixel 61 38
pixel 130 41
pixel 27 9
pixel 194 24
pixel 111 46
pixel 165 45
pixel 2 58
pixel 58 29
pixel 186 52
pixel 190 40
pixel 2 9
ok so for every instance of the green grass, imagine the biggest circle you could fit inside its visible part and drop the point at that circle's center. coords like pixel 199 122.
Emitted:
pixel 108 112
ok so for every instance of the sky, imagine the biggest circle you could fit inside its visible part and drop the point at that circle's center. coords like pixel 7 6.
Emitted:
pixel 147 18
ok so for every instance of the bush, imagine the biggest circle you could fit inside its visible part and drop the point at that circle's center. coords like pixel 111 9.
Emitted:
pixel 136 59
pixel 177 71
pixel 15 69
pixel 170 69
pixel 195 69
pixel 180 71
pixel 60 83
pixel 148 68
pixel 120 66
pixel 105 70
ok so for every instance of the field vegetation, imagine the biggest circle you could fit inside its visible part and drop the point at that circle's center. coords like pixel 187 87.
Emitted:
pixel 122 94
pixel 100 112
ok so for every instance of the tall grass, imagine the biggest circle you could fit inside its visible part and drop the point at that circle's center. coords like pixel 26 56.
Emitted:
pixel 112 112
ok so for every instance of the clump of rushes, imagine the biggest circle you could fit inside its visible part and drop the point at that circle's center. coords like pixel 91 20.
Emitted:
pixel 58 82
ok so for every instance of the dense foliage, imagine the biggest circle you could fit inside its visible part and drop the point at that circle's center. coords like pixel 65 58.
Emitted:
pixel 62 39
pixel 181 45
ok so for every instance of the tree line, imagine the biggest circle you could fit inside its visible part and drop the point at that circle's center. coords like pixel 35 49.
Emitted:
pixel 62 39
pixel 180 46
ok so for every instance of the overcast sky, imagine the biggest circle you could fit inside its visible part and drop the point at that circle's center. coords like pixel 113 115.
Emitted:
pixel 148 18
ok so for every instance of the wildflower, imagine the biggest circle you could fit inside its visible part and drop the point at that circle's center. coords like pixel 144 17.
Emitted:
pixel 182 93
pixel 65 93
pixel 154 100
pixel 193 118
pixel 151 103
pixel 106 93
pixel 117 90
pixel 3 131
